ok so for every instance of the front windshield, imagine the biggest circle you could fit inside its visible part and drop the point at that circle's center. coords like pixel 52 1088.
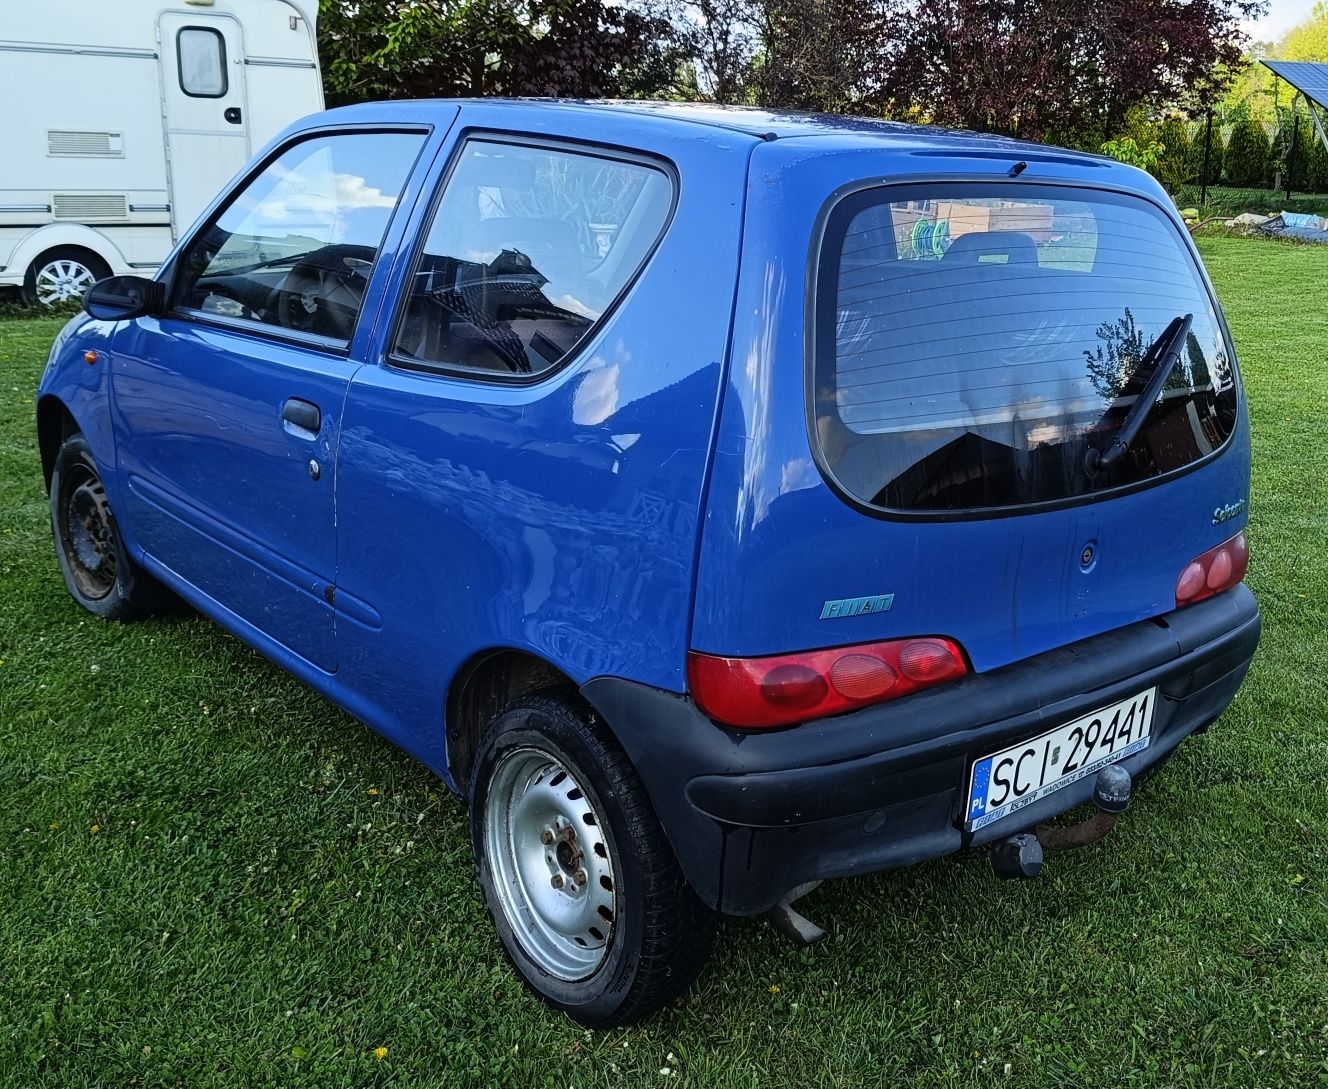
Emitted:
pixel 973 340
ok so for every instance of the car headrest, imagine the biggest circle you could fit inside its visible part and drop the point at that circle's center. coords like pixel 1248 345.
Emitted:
pixel 544 235
pixel 969 249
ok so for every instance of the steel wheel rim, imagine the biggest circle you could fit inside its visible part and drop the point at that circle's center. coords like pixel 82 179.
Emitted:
pixel 62 280
pixel 86 535
pixel 551 856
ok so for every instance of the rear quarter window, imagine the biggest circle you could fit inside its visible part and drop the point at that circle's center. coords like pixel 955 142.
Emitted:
pixel 971 342
pixel 528 249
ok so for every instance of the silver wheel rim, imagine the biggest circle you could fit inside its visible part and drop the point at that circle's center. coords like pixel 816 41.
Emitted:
pixel 60 281
pixel 551 856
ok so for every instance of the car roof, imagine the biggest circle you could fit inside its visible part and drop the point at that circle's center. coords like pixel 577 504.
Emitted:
pixel 759 124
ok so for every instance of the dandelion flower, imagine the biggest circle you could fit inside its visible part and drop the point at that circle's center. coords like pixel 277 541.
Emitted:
pixel 380 1053
pixel 96 828
pixel 373 792
pixel 774 988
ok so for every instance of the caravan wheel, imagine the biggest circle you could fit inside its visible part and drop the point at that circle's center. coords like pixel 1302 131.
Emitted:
pixel 63 275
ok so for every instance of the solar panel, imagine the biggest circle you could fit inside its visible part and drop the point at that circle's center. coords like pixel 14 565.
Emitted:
pixel 1308 77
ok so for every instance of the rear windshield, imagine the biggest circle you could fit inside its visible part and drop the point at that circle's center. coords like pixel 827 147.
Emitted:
pixel 972 341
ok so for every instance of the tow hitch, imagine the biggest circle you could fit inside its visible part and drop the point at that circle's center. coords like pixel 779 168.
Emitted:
pixel 1021 855
pixel 1015 856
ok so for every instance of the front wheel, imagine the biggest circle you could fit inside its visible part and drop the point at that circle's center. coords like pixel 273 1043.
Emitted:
pixel 583 887
pixel 96 566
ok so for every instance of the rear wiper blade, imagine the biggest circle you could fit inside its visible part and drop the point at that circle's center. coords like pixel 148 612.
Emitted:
pixel 1166 349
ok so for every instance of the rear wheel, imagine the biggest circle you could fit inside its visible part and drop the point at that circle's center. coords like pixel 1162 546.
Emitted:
pixel 582 885
pixel 97 569
pixel 63 275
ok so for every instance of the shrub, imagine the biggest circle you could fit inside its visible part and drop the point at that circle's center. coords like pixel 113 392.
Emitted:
pixel 1317 168
pixel 1173 168
pixel 1128 150
pixel 1295 162
pixel 1248 158
pixel 1214 158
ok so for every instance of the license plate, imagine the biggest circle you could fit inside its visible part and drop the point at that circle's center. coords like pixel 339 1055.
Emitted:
pixel 1006 781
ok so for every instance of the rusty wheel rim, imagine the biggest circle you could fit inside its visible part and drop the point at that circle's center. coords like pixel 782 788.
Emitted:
pixel 87 536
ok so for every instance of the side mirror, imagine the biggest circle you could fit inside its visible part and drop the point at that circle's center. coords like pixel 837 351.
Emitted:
pixel 118 298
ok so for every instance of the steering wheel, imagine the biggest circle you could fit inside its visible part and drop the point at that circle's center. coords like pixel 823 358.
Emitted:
pixel 322 292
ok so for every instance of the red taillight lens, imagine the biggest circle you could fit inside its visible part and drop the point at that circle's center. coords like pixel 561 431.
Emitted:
pixel 1216 570
pixel 757 693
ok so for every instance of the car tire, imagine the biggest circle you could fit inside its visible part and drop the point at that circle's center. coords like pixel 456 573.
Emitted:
pixel 583 888
pixel 96 566
pixel 62 275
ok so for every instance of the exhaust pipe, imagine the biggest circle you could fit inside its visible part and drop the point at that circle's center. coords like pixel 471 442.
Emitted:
pixel 1021 855
pixel 790 922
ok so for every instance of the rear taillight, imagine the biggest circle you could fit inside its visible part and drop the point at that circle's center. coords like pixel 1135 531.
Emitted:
pixel 757 693
pixel 1216 570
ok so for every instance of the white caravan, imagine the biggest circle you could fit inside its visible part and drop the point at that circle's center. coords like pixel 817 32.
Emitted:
pixel 122 118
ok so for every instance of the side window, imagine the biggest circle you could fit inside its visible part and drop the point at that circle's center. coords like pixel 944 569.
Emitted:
pixel 202 55
pixel 294 248
pixel 528 247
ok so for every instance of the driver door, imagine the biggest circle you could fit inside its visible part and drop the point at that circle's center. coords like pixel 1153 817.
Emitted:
pixel 227 409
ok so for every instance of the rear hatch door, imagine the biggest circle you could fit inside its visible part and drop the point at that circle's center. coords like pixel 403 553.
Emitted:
pixel 925 351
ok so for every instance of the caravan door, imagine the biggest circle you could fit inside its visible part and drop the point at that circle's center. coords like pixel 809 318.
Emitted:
pixel 207 132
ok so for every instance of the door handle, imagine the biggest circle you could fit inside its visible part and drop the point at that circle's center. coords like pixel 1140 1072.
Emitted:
pixel 303 414
pixel 233 115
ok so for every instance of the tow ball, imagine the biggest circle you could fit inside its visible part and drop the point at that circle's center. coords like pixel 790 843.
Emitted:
pixel 1021 855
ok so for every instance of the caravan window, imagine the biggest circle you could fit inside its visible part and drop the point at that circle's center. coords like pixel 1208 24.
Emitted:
pixel 202 55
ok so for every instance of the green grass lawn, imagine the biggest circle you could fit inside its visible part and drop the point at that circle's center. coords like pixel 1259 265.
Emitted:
pixel 210 876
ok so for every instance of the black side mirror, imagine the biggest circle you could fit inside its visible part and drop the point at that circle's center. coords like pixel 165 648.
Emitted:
pixel 118 298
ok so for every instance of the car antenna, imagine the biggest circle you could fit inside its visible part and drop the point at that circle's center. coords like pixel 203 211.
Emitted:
pixel 1018 168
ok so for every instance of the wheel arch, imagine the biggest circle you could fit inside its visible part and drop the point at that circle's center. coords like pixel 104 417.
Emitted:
pixel 481 688
pixel 58 236
pixel 55 423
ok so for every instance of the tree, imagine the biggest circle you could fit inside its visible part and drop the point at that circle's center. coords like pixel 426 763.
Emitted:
pixel 723 38
pixel 1028 67
pixel 1249 154
pixel 1308 41
pixel 414 48
pixel 829 55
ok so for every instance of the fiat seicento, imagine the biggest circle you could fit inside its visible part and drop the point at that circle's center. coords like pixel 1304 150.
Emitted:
pixel 718 501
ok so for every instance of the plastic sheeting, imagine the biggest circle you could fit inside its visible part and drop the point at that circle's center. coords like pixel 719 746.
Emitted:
pixel 1298 225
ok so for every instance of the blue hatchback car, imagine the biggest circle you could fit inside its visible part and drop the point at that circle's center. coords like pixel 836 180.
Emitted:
pixel 719 501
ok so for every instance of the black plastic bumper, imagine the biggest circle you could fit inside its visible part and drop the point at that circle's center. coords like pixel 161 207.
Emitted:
pixel 752 815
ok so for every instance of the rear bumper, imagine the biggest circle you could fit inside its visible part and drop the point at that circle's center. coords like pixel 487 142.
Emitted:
pixel 751 816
